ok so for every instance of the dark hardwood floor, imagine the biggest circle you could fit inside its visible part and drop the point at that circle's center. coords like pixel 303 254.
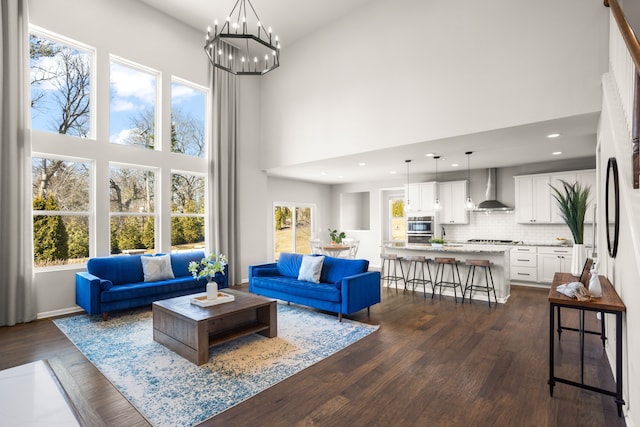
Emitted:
pixel 431 363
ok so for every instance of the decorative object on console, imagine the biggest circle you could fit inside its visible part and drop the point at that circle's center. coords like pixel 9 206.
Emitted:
pixel 573 201
pixel 236 49
pixel 469 205
pixel 336 236
pixel 595 288
pixel 208 267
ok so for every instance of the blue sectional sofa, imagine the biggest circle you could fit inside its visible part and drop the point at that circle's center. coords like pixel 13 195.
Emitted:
pixel 345 285
pixel 117 282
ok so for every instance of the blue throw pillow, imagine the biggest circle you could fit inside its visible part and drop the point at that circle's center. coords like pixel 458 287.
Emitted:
pixel 310 268
pixel 289 264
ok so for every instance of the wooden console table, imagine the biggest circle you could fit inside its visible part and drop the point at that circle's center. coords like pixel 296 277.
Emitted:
pixel 610 303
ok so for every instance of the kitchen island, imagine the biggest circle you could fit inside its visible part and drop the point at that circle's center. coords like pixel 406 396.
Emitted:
pixel 499 255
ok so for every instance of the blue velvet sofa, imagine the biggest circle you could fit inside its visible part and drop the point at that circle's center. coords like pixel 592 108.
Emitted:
pixel 345 285
pixel 117 282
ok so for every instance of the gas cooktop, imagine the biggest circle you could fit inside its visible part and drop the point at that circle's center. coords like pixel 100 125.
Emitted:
pixel 493 241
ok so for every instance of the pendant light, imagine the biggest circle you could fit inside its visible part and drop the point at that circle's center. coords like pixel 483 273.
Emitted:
pixel 469 205
pixel 436 204
pixel 408 206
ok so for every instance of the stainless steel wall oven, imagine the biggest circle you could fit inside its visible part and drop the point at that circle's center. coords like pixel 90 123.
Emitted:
pixel 419 229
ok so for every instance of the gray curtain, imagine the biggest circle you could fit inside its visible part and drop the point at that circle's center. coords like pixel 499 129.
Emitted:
pixel 222 170
pixel 17 299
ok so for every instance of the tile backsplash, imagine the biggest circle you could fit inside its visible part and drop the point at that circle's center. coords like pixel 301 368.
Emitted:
pixel 502 226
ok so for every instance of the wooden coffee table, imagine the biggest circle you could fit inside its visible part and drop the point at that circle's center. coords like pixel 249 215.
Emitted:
pixel 190 330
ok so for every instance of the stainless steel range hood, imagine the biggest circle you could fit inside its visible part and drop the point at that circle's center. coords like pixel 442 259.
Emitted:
pixel 491 203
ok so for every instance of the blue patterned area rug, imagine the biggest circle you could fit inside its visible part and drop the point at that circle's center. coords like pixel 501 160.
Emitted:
pixel 171 391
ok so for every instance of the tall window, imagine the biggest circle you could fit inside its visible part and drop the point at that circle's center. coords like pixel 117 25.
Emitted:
pixel 71 178
pixel 292 228
pixel 61 210
pixel 187 119
pixel 132 208
pixel 187 211
pixel 132 112
pixel 60 74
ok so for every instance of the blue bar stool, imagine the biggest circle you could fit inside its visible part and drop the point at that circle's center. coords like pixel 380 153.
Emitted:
pixel 418 279
pixel 441 263
pixel 386 274
pixel 485 264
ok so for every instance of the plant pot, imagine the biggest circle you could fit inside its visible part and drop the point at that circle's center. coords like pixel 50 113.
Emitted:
pixel 578 257
pixel 212 289
pixel 436 245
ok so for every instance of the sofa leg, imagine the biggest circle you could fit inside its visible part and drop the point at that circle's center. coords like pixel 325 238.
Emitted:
pixel 339 317
pixel 369 311
pixel 105 316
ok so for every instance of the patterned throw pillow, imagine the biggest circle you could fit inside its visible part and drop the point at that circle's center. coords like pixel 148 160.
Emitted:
pixel 311 268
pixel 156 268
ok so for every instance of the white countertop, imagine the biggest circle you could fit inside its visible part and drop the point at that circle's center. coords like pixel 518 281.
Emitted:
pixel 453 248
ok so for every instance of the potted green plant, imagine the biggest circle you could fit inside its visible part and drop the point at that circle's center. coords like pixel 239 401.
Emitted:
pixel 573 200
pixel 336 236
pixel 436 242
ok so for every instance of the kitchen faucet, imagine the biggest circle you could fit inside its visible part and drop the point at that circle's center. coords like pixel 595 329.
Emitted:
pixel 442 232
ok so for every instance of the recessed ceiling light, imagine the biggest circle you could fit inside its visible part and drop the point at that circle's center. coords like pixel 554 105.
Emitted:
pixel 393 172
pixel 340 176
pixel 430 154
pixel 455 165
pixel 323 173
pixel 362 164
pixel 553 135
pixel 557 153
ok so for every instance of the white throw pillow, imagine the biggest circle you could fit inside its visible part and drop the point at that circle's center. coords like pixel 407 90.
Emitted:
pixel 156 268
pixel 310 268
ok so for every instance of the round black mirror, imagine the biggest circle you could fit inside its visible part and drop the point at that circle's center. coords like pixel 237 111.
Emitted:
pixel 612 206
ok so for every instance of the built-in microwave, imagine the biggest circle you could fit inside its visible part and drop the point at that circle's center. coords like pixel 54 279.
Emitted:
pixel 419 230
pixel 419 225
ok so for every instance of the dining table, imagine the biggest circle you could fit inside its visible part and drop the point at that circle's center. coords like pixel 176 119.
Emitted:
pixel 334 250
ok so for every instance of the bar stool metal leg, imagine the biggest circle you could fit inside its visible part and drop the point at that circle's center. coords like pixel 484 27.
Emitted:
pixel 488 278
pixel 455 282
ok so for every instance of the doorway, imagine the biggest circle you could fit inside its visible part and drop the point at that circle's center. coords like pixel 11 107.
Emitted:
pixel 292 225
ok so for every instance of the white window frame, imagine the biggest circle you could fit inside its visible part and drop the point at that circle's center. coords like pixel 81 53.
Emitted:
pixel 90 213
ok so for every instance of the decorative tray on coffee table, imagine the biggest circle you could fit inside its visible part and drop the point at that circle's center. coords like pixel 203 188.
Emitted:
pixel 203 301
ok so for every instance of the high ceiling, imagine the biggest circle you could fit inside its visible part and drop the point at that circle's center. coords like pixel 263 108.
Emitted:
pixel 292 20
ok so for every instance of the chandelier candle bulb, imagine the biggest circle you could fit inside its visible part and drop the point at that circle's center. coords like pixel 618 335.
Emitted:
pixel 244 34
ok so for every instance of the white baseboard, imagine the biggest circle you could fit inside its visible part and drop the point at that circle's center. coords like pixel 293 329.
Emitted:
pixel 61 312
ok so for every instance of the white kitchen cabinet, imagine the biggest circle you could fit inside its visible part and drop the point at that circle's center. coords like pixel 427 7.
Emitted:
pixel 453 197
pixel 585 178
pixel 552 260
pixel 533 199
pixel 524 263
pixel 421 196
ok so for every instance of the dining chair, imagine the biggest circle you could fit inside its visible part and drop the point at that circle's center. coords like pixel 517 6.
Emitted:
pixel 353 247
pixel 316 246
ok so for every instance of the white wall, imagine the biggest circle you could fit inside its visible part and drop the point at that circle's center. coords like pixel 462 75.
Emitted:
pixel 404 71
pixel 624 270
